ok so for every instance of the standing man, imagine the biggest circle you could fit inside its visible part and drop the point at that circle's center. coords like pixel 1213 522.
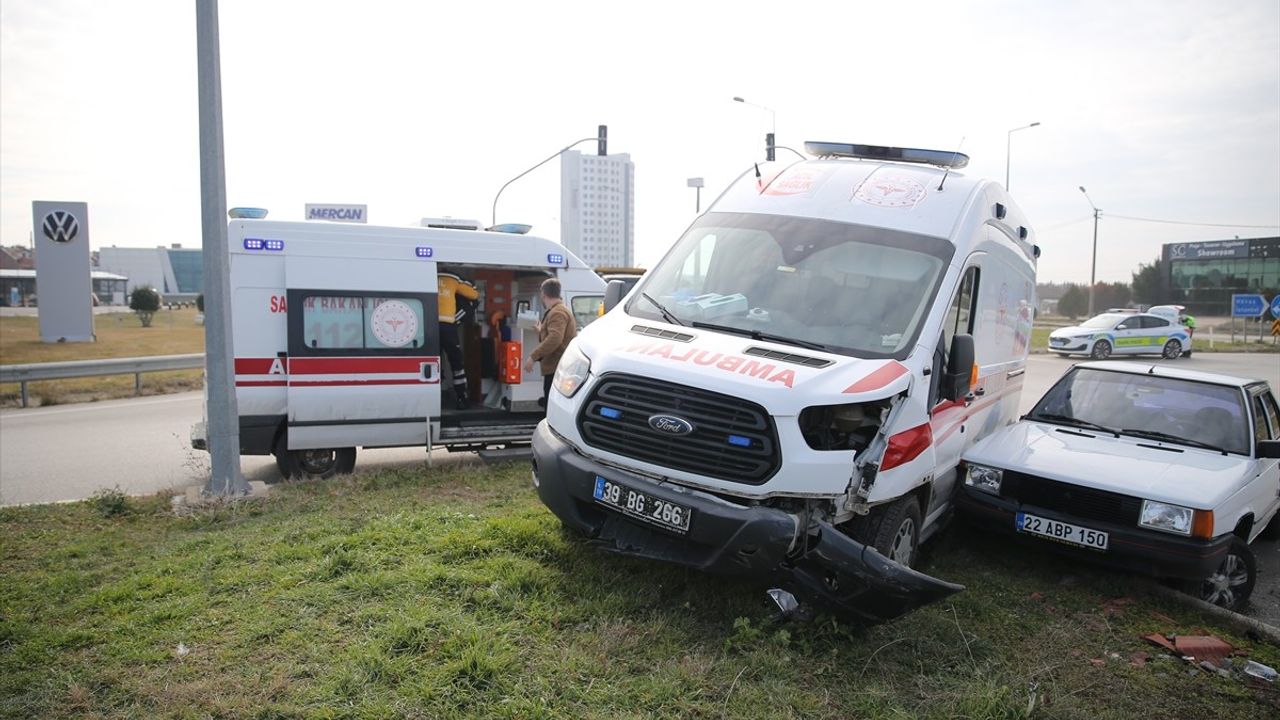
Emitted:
pixel 1189 323
pixel 450 287
pixel 554 333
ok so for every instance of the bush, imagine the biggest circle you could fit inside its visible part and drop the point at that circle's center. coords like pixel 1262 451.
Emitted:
pixel 145 301
pixel 110 502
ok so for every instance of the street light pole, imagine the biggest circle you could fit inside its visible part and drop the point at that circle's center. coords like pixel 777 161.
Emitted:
pixel 553 156
pixel 1093 268
pixel 771 139
pixel 1008 145
pixel 222 431
pixel 697 183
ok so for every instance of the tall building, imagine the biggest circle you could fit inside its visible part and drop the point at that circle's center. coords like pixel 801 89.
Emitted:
pixel 174 271
pixel 597 208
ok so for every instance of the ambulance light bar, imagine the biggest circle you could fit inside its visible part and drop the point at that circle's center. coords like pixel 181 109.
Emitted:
pixel 423 251
pixel 260 244
pixel 247 213
pixel 555 259
pixel 940 158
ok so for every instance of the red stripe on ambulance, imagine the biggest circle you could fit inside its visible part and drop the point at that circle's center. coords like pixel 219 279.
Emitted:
pixel 878 379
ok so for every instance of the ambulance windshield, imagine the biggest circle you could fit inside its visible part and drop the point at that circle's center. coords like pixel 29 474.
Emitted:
pixel 850 289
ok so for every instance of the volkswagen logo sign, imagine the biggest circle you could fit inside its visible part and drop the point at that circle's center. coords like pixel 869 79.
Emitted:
pixel 670 424
pixel 60 226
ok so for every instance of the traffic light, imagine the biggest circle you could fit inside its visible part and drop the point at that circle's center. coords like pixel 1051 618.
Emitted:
pixel 602 141
pixel 768 147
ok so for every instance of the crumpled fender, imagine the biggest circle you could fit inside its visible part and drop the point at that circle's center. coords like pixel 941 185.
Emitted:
pixel 852 579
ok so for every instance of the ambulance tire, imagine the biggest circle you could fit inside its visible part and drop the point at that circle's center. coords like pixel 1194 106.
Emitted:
pixel 313 464
pixel 892 529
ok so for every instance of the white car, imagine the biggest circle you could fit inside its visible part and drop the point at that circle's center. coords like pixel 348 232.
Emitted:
pixel 1109 334
pixel 1164 471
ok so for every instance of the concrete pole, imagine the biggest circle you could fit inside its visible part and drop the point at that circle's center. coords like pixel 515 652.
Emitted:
pixel 222 422
pixel 1093 268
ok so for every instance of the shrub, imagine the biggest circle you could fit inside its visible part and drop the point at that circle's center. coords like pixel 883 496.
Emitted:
pixel 145 301
pixel 110 502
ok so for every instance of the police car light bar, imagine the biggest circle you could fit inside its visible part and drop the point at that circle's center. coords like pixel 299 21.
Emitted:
pixel 247 213
pixel 940 158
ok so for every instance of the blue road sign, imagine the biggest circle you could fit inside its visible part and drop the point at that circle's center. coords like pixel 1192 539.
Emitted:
pixel 1248 305
pixel 1275 307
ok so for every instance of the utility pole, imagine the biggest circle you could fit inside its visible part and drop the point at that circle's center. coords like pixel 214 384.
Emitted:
pixel 223 424
pixel 1093 268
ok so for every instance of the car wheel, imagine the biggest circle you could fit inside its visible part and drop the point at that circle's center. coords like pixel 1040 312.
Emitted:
pixel 892 529
pixel 313 464
pixel 1172 350
pixel 1232 583
pixel 1101 350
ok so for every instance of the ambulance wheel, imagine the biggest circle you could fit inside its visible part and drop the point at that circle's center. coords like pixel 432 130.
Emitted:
pixel 317 464
pixel 1172 350
pixel 893 530
pixel 1101 350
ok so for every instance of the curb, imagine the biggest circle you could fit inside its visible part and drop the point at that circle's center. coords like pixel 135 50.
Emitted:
pixel 1241 622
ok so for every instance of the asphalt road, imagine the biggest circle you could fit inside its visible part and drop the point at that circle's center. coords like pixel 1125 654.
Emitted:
pixel 141 446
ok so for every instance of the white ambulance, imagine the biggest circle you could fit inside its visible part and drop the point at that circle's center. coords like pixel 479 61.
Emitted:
pixel 788 392
pixel 336 337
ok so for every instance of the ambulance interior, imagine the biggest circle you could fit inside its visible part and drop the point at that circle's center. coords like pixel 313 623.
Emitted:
pixel 496 333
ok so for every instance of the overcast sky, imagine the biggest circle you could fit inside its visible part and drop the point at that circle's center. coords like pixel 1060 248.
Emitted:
pixel 1166 110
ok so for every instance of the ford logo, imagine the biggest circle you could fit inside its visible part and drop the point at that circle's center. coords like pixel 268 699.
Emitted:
pixel 670 424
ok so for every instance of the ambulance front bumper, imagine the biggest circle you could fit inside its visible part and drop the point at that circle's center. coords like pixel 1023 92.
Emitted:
pixel 821 565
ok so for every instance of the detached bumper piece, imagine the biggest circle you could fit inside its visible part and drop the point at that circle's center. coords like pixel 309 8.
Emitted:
pixel 832 570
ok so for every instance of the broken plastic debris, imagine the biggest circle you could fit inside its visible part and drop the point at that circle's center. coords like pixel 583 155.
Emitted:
pixel 786 602
pixel 1258 670
pixel 182 650
pixel 1195 648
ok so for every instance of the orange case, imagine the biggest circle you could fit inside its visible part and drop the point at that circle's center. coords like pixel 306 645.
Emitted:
pixel 511 362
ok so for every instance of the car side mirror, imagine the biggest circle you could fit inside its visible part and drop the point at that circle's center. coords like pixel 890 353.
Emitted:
pixel 613 294
pixel 1269 449
pixel 955 382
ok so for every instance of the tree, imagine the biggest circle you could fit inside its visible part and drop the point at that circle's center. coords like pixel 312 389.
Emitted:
pixel 1073 302
pixel 1147 281
pixel 145 301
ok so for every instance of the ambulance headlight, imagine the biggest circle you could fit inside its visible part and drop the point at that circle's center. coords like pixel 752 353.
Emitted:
pixel 986 479
pixel 572 371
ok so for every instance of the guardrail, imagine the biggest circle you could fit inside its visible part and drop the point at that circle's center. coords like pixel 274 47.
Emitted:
pixel 33 372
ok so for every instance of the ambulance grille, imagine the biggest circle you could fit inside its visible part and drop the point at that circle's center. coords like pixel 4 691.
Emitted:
pixel 1074 500
pixel 732 439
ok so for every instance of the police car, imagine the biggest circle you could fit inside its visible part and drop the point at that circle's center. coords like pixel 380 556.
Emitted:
pixel 1115 333
pixel 1155 469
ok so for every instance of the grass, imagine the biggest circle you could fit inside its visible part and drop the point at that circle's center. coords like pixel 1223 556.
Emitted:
pixel 453 593
pixel 173 332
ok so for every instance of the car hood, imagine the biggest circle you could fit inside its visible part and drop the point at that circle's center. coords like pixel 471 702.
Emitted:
pixel 1075 330
pixel 783 378
pixel 1130 466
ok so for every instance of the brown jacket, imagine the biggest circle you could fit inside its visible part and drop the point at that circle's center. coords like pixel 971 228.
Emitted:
pixel 558 328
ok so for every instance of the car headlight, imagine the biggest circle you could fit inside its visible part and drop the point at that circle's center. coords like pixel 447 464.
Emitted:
pixel 572 371
pixel 986 479
pixel 1165 517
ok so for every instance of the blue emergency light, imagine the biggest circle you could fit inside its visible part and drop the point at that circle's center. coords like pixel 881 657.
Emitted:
pixel 611 413
pixel 247 213
pixel 555 259
pixel 423 251
pixel 261 244
pixel 740 441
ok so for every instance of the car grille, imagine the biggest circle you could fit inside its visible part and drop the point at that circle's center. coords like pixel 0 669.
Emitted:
pixel 1071 499
pixel 732 439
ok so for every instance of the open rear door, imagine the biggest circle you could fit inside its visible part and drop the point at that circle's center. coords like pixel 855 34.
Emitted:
pixel 363 361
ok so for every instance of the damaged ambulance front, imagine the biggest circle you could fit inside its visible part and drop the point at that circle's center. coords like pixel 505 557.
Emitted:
pixel 733 413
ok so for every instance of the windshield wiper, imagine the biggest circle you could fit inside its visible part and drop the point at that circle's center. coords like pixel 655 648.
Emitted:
pixel 666 314
pixel 757 335
pixel 1069 420
pixel 1157 435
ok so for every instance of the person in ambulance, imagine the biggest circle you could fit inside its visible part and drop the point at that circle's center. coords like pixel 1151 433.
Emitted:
pixel 451 313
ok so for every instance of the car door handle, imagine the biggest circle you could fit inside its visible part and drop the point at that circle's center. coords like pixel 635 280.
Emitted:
pixel 428 370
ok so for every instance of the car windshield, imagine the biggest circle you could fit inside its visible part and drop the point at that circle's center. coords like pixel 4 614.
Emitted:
pixel 851 289
pixel 1200 412
pixel 1103 321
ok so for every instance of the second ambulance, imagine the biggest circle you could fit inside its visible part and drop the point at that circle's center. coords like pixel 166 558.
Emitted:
pixel 787 394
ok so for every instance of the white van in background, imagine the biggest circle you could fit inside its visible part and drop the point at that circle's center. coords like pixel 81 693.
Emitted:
pixel 788 392
pixel 336 337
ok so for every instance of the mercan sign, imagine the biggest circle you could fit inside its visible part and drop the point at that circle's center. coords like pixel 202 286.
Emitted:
pixel 337 213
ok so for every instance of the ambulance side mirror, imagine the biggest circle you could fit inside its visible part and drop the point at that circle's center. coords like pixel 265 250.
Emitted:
pixel 955 382
pixel 613 294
